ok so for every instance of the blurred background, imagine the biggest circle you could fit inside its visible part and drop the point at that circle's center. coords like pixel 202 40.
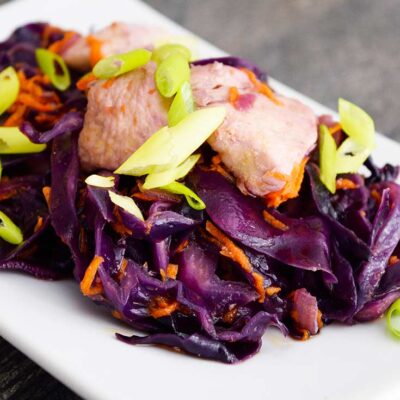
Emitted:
pixel 324 49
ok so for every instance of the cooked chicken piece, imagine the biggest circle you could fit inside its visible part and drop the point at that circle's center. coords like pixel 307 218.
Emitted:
pixel 116 38
pixel 262 143
pixel 121 115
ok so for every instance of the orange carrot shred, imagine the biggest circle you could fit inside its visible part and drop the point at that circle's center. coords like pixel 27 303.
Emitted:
pixel 95 50
pixel 270 219
pixel 393 260
pixel 108 83
pixel 60 45
pixel 39 224
pixel 46 190
pixel 345 184
pixel 229 249
pixel 271 290
pixel 116 314
pixel 161 306
pixel 86 284
pixel 172 271
pixel 85 81
pixel 233 95
pixel 334 129
pixel 261 87
pixel 291 188
pixel 122 269
pixel 376 195
pixel 182 246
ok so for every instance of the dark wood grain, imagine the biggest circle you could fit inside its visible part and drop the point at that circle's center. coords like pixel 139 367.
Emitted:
pixel 325 49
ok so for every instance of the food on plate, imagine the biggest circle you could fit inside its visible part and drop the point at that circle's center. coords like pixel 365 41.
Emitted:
pixel 189 198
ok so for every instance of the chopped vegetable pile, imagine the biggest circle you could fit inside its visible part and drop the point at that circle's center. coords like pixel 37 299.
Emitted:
pixel 170 242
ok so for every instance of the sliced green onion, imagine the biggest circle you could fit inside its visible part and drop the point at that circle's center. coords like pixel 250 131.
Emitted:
pixel 126 203
pixel 171 73
pixel 394 310
pixel 9 88
pixel 100 181
pixel 114 66
pixel 327 158
pixel 13 141
pixel 357 124
pixel 163 52
pixel 170 146
pixel 164 178
pixel 193 200
pixel 54 67
pixel 182 105
pixel 350 156
pixel 9 231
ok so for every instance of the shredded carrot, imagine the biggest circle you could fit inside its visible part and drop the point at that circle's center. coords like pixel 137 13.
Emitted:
pixel 116 314
pixel 33 95
pixel 259 285
pixel 229 249
pixel 376 195
pixel 60 45
pixel 95 50
pixel 291 188
pixel 304 335
pixel 182 246
pixel 230 315
pixel 108 83
pixel 46 190
pixel 86 284
pixel 334 129
pixel 270 219
pixel 236 254
pixel 85 81
pixel 216 160
pixel 9 194
pixel 345 184
pixel 123 108
pixel 172 271
pixel 393 260
pixel 261 87
pixel 319 319
pixel 122 269
pixel 233 95
pixel 118 226
pixel 39 224
pixel 271 290
pixel 161 306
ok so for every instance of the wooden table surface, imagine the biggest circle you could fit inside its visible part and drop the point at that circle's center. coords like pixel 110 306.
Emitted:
pixel 325 49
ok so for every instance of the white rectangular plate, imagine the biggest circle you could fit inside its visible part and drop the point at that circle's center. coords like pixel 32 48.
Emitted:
pixel 73 339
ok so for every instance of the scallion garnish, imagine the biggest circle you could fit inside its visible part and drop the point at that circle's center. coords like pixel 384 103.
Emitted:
pixel 327 158
pixel 100 181
pixel 193 200
pixel 357 124
pixel 170 146
pixel 182 105
pixel 13 141
pixel 171 73
pixel 9 88
pixel 114 66
pixel 126 203
pixel 163 52
pixel 394 310
pixel 350 156
pixel 52 65
pixel 159 179
pixel 9 231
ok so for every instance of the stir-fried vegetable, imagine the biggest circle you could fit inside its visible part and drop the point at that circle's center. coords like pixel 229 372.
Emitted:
pixel 179 188
pixel 13 141
pixel 126 203
pixel 54 67
pixel 170 146
pixel 9 231
pixel 9 88
pixel 393 311
pixel 163 52
pixel 100 181
pixel 327 154
pixel 182 104
pixel 114 66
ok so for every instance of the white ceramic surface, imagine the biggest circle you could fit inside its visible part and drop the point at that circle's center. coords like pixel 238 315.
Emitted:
pixel 74 340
